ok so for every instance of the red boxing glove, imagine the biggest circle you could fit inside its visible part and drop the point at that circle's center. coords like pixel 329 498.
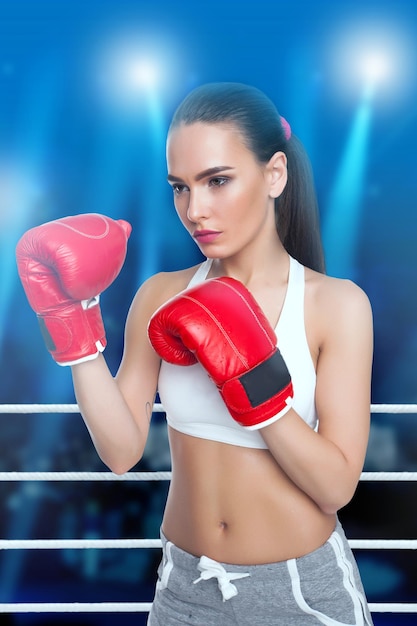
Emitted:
pixel 64 265
pixel 220 324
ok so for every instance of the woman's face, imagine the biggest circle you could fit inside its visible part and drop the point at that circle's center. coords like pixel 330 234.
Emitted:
pixel 222 194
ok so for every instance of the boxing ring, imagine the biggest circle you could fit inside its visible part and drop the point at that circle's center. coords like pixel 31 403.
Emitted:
pixel 143 544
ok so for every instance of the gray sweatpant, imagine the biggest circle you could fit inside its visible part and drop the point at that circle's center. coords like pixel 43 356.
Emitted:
pixel 323 587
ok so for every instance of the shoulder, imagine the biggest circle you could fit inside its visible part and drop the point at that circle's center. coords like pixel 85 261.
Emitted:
pixel 334 292
pixel 336 305
pixel 161 287
pixel 152 294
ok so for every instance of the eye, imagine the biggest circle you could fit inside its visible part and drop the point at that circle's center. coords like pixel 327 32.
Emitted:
pixel 218 181
pixel 178 189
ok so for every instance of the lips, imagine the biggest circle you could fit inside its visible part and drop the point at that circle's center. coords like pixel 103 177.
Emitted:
pixel 205 236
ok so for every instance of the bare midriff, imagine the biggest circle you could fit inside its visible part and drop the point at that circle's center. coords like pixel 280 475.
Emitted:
pixel 235 505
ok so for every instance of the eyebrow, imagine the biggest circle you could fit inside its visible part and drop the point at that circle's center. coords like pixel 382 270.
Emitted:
pixel 209 172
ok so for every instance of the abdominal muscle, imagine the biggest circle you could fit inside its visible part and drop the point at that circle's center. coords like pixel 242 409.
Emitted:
pixel 235 505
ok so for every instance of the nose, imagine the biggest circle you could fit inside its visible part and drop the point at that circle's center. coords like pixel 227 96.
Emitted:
pixel 197 208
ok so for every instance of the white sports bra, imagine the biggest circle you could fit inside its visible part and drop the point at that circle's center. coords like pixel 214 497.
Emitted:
pixel 193 403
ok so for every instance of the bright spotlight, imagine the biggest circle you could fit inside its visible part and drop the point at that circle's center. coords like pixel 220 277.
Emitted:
pixel 140 73
pixel 128 72
pixel 137 73
pixel 376 68
pixel 374 58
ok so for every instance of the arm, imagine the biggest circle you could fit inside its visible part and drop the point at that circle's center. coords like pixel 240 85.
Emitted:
pixel 117 411
pixel 64 265
pixel 327 464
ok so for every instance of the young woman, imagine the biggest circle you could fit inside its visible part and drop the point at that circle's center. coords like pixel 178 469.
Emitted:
pixel 267 442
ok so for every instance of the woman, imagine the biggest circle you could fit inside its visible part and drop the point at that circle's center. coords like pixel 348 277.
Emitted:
pixel 250 530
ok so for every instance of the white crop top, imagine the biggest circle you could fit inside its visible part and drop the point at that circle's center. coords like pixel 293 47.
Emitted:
pixel 193 403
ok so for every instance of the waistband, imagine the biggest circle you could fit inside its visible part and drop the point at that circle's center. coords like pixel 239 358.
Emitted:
pixel 181 558
pixel 331 565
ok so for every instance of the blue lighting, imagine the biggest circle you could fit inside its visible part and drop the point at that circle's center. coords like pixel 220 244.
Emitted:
pixel 342 222
pixel 87 92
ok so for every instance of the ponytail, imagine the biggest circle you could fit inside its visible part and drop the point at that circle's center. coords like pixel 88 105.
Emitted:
pixel 296 210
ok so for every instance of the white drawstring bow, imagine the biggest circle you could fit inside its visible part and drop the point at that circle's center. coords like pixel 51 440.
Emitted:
pixel 212 569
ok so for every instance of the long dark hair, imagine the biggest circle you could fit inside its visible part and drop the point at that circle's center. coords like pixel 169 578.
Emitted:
pixel 265 132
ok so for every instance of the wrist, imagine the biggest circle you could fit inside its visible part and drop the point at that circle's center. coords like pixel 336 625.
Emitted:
pixel 73 333
pixel 273 419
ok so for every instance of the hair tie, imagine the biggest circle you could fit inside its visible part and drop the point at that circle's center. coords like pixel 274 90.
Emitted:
pixel 285 127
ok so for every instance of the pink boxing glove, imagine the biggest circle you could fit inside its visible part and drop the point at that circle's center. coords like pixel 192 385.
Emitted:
pixel 64 265
pixel 220 324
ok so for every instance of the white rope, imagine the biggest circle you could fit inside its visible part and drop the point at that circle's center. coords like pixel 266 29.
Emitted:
pixel 39 408
pixel 158 408
pixel 392 607
pixel 56 544
pixel 393 408
pixel 84 476
pixel 67 544
pixel 383 544
pixel 107 607
pixel 388 476
pixel 76 607
pixel 53 408
pixel 157 476
pixel 145 607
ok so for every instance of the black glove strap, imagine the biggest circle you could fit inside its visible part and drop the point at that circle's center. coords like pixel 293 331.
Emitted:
pixel 266 380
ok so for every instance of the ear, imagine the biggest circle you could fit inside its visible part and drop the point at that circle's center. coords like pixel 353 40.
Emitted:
pixel 277 172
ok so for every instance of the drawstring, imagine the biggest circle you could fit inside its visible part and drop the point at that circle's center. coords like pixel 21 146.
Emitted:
pixel 212 569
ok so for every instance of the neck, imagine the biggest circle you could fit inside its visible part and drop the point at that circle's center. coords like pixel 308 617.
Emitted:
pixel 267 267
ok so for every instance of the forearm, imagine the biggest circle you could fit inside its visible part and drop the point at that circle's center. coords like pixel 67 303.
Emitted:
pixel 315 464
pixel 114 431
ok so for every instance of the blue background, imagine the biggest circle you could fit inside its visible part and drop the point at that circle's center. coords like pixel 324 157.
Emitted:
pixel 79 135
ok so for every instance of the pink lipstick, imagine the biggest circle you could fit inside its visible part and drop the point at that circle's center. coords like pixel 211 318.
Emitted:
pixel 205 236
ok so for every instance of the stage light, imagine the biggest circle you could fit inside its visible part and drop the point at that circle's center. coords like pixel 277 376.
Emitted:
pixel 129 75
pixel 139 73
pixel 376 68
pixel 132 73
pixel 128 70
pixel 371 59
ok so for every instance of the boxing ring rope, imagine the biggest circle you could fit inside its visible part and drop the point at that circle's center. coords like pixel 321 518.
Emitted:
pixel 107 607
